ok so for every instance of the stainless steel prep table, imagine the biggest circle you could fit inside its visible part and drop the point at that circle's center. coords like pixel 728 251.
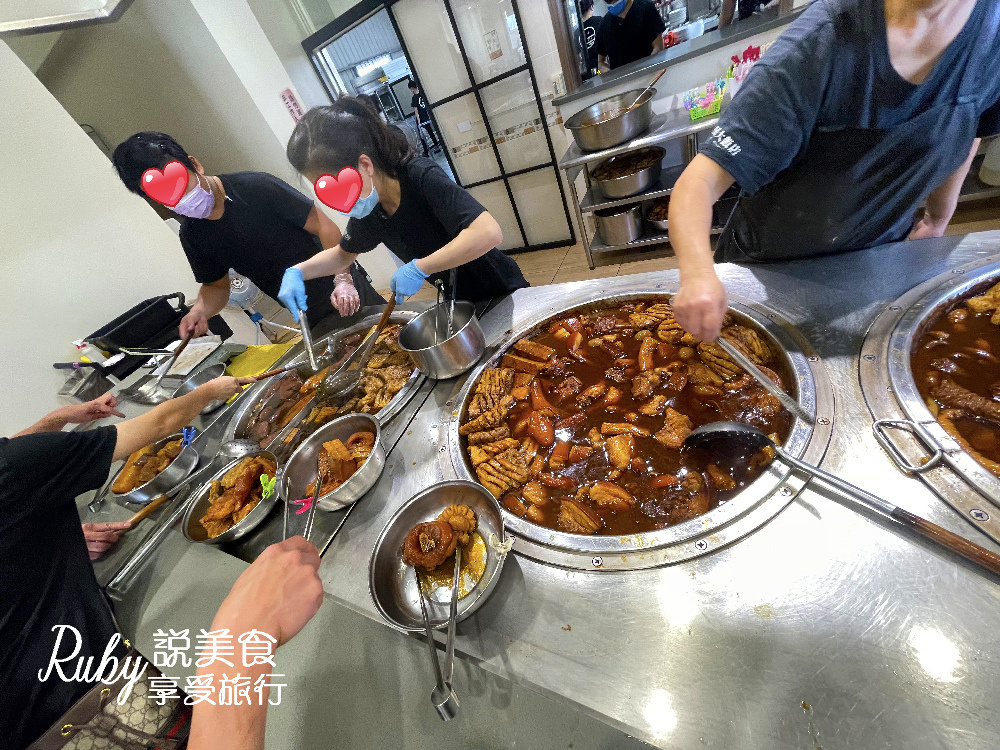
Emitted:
pixel 822 629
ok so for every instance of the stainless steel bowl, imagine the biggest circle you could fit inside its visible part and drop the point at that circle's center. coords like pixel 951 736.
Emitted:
pixel 391 582
pixel 662 224
pixel 198 504
pixel 630 184
pixel 166 480
pixel 295 476
pixel 596 136
pixel 199 378
pixel 425 339
pixel 620 225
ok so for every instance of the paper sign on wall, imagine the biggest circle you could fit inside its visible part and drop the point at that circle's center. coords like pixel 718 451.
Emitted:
pixel 493 44
pixel 291 103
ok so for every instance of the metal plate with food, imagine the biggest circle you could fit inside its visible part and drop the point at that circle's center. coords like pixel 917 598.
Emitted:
pixel 280 413
pixel 575 425
pixel 154 470
pixel 351 458
pixel 929 366
pixel 423 535
pixel 234 501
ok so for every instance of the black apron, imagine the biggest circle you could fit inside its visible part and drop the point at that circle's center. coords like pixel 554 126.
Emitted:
pixel 837 195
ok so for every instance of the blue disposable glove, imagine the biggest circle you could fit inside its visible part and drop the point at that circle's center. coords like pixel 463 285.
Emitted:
pixel 293 292
pixel 406 281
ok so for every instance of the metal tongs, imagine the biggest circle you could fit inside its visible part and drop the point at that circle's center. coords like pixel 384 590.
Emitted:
pixel 441 299
pixel 311 513
pixel 344 379
pixel 443 696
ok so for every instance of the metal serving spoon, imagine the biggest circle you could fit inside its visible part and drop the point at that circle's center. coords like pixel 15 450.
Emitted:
pixel 755 372
pixel 732 438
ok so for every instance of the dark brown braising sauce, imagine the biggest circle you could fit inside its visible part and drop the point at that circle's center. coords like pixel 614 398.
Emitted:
pixel 655 507
pixel 959 346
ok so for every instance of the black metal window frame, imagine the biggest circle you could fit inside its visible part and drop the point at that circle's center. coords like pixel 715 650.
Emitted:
pixel 365 10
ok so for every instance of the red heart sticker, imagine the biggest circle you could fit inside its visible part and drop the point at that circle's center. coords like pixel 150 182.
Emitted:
pixel 166 187
pixel 341 192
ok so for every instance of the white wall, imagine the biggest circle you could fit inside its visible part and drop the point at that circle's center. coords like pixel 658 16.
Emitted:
pixel 34 48
pixel 76 249
pixel 160 68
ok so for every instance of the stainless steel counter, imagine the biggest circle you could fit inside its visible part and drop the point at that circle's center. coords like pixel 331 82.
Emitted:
pixel 824 628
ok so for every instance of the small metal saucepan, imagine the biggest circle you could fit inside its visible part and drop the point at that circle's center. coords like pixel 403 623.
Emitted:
pixel 164 482
pixel 426 340
pixel 295 476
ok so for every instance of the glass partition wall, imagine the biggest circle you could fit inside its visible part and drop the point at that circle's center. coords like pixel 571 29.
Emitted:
pixel 472 62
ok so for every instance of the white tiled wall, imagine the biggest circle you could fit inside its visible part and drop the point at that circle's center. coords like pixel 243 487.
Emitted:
pixel 431 43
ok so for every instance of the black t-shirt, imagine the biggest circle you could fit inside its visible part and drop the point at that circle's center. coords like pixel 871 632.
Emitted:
pixel 46 577
pixel 625 40
pixel 260 234
pixel 590 27
pixel 419 103
pixel 432 211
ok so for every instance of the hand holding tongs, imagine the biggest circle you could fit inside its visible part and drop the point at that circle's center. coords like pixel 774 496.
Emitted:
pixel 443 696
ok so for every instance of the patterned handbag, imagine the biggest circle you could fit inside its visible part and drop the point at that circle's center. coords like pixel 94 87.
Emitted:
pixel 98 722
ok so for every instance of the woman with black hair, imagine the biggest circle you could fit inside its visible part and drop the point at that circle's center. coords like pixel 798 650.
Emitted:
pixel 251 222
pixel 406 202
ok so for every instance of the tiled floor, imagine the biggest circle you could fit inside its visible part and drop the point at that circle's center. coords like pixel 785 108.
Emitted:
pixel 566 264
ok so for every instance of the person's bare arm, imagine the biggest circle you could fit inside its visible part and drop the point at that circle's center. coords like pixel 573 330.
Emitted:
pixel 477 239
pixel 700 303
pixel 327 262
pixel 54 421
pixel 658 44
pixel 170 416
pixel 941 203
pixel 728 12
pixel 212 298
pixel 602 63
pixel 278 594
pixel 319 224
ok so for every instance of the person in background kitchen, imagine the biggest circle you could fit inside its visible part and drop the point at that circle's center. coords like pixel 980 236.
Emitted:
pixel 590 25
pixel 630 31
pixel 861 112
pixel 46 581
pixel 423 117
pixel 406 201
pixel 738 10
pixel 251 222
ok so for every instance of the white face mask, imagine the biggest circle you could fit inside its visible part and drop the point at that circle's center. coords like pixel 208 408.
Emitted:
pixel 196 203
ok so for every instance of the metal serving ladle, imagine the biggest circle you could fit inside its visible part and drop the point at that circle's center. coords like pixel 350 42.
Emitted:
pixel 732 438
pixel 443 697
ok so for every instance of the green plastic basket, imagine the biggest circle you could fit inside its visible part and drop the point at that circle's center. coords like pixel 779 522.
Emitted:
pixel 698 113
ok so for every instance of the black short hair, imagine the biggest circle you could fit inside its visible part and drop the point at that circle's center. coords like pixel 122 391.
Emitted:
pixel 141 151
pixel 413 84
pixel 586 5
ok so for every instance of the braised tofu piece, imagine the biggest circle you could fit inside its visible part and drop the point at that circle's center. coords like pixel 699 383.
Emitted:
pixel 520 364
pixel 534 349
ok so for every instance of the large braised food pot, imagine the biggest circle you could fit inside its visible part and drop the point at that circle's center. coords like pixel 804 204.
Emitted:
pixel 607 123
pixel 628 174
pixel 640 531
pixel 935 348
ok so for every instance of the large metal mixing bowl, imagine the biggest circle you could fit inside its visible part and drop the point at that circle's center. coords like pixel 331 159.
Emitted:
pixel 719 526
pixel 164 482
pixel 592 132
pixel 198 504
pixel 391 582
pixel 300 470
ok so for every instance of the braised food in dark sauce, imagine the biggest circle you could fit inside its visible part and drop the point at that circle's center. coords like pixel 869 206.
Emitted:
pixel 385 373
pixel 958 374
pixel 580 427
pixel 626 164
